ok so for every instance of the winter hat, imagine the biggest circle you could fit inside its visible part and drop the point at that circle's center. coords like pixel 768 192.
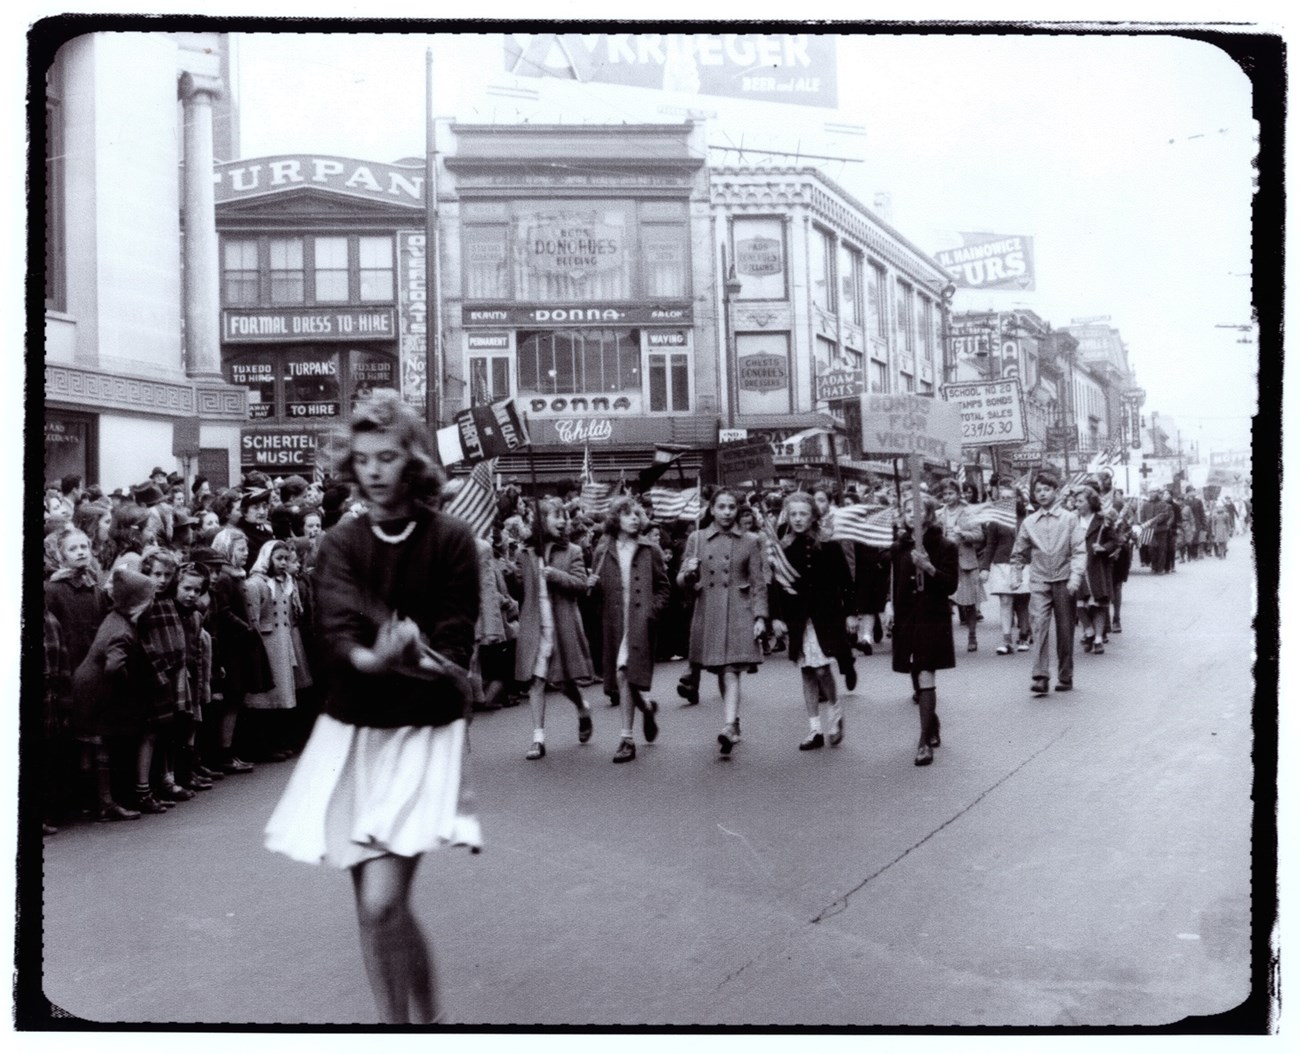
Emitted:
pixel 130 589
pixel 254 497
pixel 206 555
pixel 147 493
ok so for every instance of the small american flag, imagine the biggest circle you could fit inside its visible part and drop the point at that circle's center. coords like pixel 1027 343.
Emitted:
pixel 1002 511
pixel 674 504
pixel 871 525
pixel 476 501
pixel 596 498
pixel 782 570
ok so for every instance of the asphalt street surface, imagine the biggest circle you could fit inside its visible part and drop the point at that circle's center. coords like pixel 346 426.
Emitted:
pixel 1080 859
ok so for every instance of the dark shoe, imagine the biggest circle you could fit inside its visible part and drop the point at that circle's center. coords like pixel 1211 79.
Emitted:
pixel 851 677
pixel 1039 686
pixel 728 738
pixel 812 741
pixel 1002 649
pixel 213 775
pixel 1087 643
pixel 877 632
pixel 172 792
pixel 1023 646
pixel 48 829
pixel 649 725
pixel 1064 686
pixel 837 735
pixel 688 692
pixel 112 811
pixel 148 803
pixel 916 698
pixel 864 647
pixel 972 645
pixel 626 751
pixel 584 724
pixel 197 783
pixel 280 755
pixel 924 755
pixel 537 750
pixel 234 765
pixel 1115 627
pixel 1099 649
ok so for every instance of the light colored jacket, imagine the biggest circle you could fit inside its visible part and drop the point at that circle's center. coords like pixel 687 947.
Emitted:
pixel 1051 543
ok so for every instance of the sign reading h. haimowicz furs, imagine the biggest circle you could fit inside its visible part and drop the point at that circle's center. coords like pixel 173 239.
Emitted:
pixel 991 261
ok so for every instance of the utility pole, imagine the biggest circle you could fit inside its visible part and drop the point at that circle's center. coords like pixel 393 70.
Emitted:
pixel 432 290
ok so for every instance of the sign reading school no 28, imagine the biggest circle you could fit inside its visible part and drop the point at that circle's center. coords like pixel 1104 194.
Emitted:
pixel 911 424
pixel 992 413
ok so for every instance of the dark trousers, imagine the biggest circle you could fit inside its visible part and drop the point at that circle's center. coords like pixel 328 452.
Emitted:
pixel 1050 605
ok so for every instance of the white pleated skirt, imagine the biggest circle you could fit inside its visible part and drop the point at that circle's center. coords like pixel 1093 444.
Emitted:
pixel 359 793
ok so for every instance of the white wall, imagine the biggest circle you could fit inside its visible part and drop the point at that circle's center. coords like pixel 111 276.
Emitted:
pixel 130 446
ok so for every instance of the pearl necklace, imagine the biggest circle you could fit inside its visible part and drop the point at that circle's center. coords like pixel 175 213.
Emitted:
pixel 392 539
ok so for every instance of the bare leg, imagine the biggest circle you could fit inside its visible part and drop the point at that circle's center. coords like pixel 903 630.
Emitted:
pixel 729 682
pixel 393 948
pixel 629 700
pixel 537 700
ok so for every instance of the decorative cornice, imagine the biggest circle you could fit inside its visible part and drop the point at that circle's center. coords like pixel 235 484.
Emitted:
pixel 103 391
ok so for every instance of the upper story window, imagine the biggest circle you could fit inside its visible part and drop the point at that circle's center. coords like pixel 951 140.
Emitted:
pixel 850 272
pixel 876 301
pixel 56 294
pixel 925 325
pixel 906 319
pixel 759 256
pixel 320 269
pixel 822 262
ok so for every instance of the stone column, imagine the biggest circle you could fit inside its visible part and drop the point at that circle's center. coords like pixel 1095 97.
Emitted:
pixel 202 286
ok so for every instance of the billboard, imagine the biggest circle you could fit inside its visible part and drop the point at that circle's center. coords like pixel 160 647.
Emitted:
pixel 990 261
pixel 766 67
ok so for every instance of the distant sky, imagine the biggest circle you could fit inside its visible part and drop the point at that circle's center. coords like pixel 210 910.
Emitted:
pixel 1126 158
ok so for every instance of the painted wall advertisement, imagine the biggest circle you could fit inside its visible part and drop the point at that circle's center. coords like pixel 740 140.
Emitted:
pixel 991 261
pixel 573 245
pixel 763 372
pixel 765 67
pixel 412 315
pixel 991 413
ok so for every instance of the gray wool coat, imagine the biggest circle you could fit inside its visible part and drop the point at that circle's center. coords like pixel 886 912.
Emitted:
pixel 730 592
pixel 571 657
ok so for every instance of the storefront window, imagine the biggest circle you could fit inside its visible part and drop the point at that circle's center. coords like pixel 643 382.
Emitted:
pixel 375 253
pixel 69 441
pixel 239 271
pixel 286 271
pixel 369 370
pixel 489 379
pixel 331 270
pixel 669 382
pixel 311 385
pixel 759 252
pixel 487 277
pixel 586 361
pixel 255 372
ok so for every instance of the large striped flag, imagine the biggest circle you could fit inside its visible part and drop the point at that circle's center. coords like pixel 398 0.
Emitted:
pixel 596 498
pixel 1146 531
pixel 871 525
pixel 782 570
pixel 1002 511
pixel 674 504
pixel 476 501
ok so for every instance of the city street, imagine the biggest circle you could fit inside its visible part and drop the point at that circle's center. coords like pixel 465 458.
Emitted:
pixel 1080 859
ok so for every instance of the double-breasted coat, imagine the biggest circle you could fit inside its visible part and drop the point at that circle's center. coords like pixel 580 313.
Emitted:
pixel 1097 584
pixel 923 619
pixel 644 601
pixel 565 583
pixel 729 595
pixel 824 593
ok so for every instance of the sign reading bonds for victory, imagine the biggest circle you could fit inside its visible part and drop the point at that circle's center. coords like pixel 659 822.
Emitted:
pixel 991 413
pixel 991 261
pixel 739 462
pixel 767 67
pixel 897 425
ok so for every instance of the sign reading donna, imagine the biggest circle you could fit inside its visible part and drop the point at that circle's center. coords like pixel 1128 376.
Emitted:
pixel 991 413
pixel 897 425
pixel 255 177
pixel 991 261
pixel 768 67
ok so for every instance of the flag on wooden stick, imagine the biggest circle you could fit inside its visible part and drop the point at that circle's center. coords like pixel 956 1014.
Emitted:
pixel 476 501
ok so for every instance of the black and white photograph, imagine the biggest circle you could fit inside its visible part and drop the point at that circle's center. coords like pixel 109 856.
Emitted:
pixel 864 438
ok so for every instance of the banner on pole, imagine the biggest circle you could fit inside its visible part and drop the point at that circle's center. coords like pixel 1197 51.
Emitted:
pixel 482 432
pixel 897 425
pixel 992 413
pixel 738 462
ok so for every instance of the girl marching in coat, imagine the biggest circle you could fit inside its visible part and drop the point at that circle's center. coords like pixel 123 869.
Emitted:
pixel 1094 593
pixel 552 646
pixel 724 569
pixel 631 581
pixel 816 615
pixel 924 579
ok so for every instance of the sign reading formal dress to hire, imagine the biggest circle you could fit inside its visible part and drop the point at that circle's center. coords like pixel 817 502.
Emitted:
pixel 897 425
pixel 992 413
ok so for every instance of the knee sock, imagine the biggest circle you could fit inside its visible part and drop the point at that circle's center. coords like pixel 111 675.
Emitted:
pixel 570 691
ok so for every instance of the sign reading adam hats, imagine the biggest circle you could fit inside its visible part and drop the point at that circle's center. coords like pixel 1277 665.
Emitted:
pixel 991 261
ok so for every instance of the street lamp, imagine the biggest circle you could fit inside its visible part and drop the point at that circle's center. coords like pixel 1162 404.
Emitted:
pixel 730 290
